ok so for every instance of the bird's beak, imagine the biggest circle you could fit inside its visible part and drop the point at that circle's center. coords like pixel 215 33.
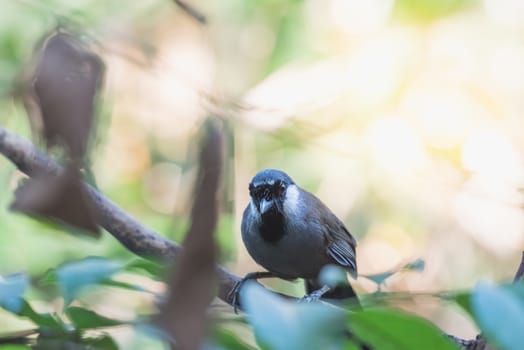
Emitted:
pixel 265 205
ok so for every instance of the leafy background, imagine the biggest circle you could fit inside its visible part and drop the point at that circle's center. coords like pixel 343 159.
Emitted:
pixel 404 116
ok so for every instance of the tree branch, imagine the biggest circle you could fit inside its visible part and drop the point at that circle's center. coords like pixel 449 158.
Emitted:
pixel 127 230
pixel 191 11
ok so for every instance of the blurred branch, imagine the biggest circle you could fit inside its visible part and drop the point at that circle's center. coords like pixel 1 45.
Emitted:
pixel 192 12
pixel 479 343
pixel 193 276
pixel 136 237
pixel 130 232
pixel 520 271
pixel 20 337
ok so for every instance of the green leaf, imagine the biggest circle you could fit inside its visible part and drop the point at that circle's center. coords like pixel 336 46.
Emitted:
pixel 86 319
pixel 154 269
pixel 49 277
pixel 14 347
pixel 224 339
pixel 44 320
pixel 125 285
pixel 282 324
pixel 21 307
pixel 75 276
pixel 499 312
pixel 12 288
pixel 428 10
pixel 352 346
pixel 73 340
pixel 394 330
pixel 417 265
pixel 105 342
pixel 464 301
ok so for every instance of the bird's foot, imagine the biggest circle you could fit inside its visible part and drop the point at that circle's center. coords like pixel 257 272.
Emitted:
pixel 234 293
pixel 315 295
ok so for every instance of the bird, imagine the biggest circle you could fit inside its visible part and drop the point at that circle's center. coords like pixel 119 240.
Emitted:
pixel 293 234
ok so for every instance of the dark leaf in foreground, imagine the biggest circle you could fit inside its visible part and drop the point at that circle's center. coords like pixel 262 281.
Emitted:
pixel 74 341
pixel 153 269
pixel 62 198
pixel 42 320
pixel 16 340
pixel 103 342
pixel 224 339
pixel 86 319
pixel 192 280
pixel 499 312
pixel 463 300
pixel 395 330
pixel 65 85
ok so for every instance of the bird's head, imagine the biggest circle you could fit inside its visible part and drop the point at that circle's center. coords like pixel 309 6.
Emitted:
pixel 268 191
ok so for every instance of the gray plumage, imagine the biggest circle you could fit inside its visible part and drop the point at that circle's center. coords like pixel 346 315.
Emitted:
pixel 292 234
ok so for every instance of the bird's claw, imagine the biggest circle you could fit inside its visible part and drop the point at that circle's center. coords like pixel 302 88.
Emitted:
pixel 234 294
pixel 314 296
pixel 311 297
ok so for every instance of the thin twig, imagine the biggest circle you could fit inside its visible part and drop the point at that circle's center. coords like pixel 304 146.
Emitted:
pixel 191 11
pixel 520 271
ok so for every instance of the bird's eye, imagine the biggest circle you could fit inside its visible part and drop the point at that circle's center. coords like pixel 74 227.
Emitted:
pixel 258 192
pixel 281 189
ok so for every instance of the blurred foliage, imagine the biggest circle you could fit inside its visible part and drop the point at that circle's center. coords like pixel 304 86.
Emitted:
pixel 39 17
pixel 404 116
pixel 277 323
pixel 427 10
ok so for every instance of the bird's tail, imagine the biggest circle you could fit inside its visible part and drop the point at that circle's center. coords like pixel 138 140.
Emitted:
pixel 339 292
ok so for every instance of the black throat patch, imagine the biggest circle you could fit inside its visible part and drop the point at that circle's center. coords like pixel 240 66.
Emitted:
pixel 272 226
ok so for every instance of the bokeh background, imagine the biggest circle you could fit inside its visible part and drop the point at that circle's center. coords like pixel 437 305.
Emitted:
pixel 405 117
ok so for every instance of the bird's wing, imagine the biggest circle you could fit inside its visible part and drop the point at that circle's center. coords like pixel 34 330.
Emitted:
pixel 341 248
pixel 340 244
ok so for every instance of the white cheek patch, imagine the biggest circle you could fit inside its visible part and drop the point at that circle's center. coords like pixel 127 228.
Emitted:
pixel 291 203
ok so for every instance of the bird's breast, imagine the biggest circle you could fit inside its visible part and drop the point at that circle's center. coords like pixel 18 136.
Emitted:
pixel 272 228
pixel 291 250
